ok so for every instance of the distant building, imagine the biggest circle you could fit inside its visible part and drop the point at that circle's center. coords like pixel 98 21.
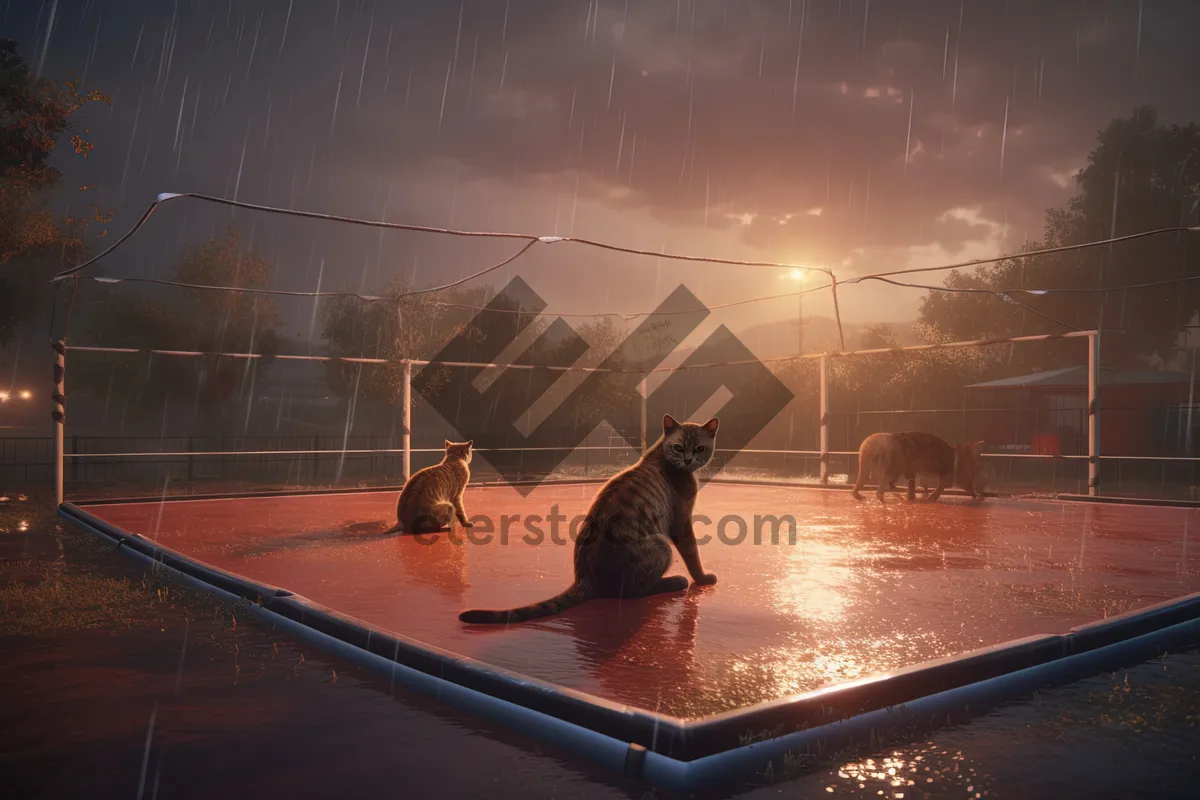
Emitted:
pixel 1141 413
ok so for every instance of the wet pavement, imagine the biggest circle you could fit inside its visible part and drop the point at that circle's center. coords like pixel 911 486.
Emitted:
pixel 115 682
pixel 863 589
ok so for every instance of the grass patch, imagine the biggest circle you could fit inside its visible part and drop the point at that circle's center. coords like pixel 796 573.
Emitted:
pixel 1155 700
pixel 69 602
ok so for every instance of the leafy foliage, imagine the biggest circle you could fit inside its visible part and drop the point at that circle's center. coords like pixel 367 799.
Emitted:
pixel 920 379
pixel 877 337
pixel 34 115
pixel 406 327
pixel 209 322
pixel 419 326
pixel 607 401
pixel 1141 176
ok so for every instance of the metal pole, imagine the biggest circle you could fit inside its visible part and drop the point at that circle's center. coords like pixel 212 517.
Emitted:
pixel 59 415
pixel 643 407
pixel 837 312
pixel 1187 451
pixel 407 420
pixel 800 324
pixel 824 421
pixel 1093 415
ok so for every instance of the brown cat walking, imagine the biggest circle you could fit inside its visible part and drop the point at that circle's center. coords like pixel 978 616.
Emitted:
pixel 624 544
pixel 888 456
pixel 433 497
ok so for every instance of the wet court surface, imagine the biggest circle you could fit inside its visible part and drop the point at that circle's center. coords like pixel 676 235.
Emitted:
pixel 863 589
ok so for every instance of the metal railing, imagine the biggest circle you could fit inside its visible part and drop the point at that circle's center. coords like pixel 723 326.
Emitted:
pixel 61 455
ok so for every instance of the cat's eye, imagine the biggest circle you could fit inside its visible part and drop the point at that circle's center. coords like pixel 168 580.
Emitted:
pixel 700 448
pixel 678 448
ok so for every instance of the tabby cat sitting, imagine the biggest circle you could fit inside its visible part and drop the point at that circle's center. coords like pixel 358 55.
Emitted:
pixel 624 544
pixel 433 497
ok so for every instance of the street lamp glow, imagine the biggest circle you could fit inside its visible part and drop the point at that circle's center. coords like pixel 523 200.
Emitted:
pixel 26 394
pixel 801 274
pixel 3 397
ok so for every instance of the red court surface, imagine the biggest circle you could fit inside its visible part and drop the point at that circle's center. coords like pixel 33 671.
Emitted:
pixel 863 590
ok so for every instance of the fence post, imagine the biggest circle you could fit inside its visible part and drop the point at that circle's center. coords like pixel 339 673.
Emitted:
pixel 824 420
pixel 407 433
pixel 1093 414
pixel 966 422
pixel 316 457
pixel 642 404
pixel 59 415
pixel 1187 451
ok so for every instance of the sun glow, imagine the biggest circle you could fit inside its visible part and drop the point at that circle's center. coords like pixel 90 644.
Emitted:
pixel 801 274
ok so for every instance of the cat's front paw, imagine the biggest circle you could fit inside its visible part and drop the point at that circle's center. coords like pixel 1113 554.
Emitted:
pixel 466 524
pixel 708 579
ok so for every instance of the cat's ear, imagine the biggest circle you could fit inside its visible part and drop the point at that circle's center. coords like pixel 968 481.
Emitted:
pixel 669 424
pixel 449 443
pixel 470 444
pixel 711 426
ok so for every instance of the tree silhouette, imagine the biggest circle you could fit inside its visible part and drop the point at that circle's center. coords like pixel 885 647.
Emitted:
pixel 34 115
pixel 406 326
pixel 206 321
pixel 1141 176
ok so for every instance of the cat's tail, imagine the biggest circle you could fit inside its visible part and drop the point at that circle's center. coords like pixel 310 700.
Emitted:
pixel 555 605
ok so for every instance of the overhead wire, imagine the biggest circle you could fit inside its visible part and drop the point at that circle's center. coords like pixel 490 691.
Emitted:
pixel 530 240
pixel 1026 254
pixel 292 212
pixel 1058 290
pixel 628 315
pixel 371 298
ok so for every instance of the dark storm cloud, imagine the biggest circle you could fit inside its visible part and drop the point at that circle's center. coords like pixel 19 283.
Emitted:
pixel 698 112
pixel 785 121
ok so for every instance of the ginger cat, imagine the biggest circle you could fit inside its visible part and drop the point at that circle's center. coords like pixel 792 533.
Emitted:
pixel 888 456
pixel 433 497
pixel 624 544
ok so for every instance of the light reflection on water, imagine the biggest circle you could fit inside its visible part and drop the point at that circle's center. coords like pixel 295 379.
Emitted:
pixel 911 773
pixel 814 582
pixel 1111 736
pixel 865 589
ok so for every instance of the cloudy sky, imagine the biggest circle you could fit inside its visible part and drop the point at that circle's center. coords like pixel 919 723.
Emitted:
pixel 860 135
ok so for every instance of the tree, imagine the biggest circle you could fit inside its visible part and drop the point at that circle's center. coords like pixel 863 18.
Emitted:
pixel 209 322
pixel 406 326
pixel 603 336
pixel 34 115
pixel 1141 176
pixel 877 337
pixel 418 327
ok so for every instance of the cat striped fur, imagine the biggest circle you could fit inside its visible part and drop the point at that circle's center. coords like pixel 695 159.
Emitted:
pixel 624 544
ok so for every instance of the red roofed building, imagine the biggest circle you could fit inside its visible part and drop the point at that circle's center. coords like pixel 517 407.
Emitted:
pixel 1141 413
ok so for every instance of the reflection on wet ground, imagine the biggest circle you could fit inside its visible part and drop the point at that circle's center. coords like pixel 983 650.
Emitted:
pixel 862 589
pixel 159 692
